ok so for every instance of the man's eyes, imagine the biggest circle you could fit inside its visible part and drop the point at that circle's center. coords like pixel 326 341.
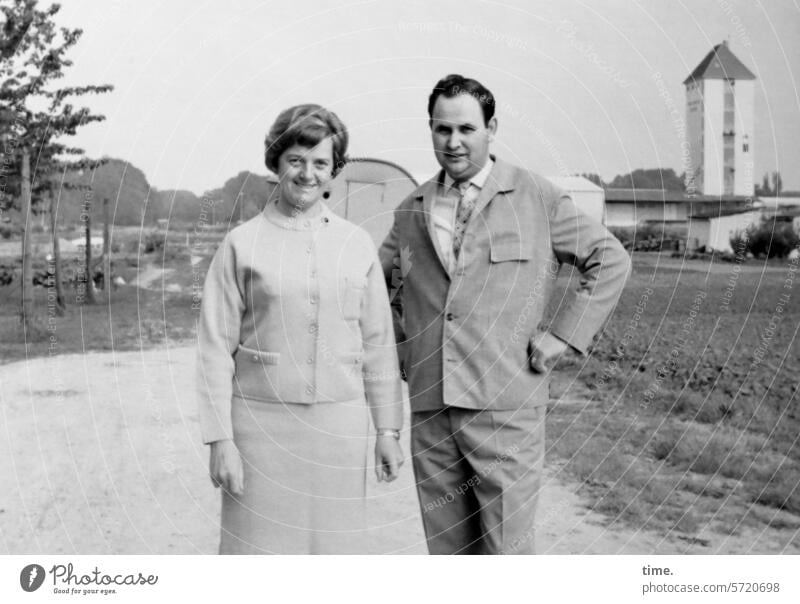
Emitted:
pixel 463 129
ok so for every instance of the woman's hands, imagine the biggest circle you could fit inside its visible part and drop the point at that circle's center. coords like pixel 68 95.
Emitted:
pixel 388 457
pixel 225 467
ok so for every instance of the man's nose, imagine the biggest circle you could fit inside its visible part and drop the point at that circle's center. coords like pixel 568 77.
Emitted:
pixel 453 141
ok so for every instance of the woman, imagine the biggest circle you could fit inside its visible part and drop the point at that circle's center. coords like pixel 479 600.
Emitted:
pixel 296 347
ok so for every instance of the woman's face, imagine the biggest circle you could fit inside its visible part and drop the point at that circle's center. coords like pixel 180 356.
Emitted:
pixel 303 173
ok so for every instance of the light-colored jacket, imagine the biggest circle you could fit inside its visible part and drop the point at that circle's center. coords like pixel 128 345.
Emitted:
pixel 465 337
pixel 295 310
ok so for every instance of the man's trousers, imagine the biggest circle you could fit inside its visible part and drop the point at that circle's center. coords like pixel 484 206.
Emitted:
pixel 478 476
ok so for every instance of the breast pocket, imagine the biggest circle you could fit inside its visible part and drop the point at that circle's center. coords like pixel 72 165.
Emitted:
pixel 509 247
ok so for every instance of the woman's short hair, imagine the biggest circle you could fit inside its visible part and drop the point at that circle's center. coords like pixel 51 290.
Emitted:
pixel 455 84
pixel 307 125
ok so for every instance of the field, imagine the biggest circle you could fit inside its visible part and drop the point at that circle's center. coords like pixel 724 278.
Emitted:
pixel 690 423
pixel 684 419
pixel 156 304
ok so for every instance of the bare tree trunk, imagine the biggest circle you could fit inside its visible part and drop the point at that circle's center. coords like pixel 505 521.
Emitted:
pixel 87 217
pixel 60 300
pixel 106 252
pixel 27 266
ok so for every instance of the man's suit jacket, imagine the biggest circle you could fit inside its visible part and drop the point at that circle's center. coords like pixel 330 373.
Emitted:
pixel 465 337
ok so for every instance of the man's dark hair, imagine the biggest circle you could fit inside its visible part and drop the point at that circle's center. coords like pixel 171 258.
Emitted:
pixel 454 84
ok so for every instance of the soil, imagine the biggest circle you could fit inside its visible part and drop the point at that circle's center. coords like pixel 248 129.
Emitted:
pixel 103 456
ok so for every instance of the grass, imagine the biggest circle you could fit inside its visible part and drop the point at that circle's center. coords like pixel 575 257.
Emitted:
pixel 694 421
pixel 134 318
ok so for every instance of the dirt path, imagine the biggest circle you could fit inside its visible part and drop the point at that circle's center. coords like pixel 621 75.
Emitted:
pixel 154 277
pixel 103 456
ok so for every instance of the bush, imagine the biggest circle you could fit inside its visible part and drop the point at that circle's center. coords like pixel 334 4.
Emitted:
pixel 153 242
pixel 769 238
pixel 7 231
pixel 649 236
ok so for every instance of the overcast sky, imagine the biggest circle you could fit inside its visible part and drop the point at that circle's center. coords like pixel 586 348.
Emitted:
pixel 580 86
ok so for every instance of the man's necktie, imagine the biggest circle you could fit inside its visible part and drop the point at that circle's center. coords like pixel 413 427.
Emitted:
pixel 466 205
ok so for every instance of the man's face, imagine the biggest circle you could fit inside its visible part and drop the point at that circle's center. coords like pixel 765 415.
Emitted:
pixel 460 136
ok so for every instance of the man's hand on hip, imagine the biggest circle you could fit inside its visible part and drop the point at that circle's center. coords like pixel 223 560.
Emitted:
pixel 546 349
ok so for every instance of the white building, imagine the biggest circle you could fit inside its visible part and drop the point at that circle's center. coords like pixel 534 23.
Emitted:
pixel 713 230
pixel 719 124
pixel 589 198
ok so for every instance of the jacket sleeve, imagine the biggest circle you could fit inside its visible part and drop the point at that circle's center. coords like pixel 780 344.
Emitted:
pixel 389 255
pixel 218 330
pixel 604 267
pixel 380 367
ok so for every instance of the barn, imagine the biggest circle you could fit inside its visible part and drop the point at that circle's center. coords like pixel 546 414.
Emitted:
pixel 630 207
pixel 367 191
pixel 712 228
pixel 589 198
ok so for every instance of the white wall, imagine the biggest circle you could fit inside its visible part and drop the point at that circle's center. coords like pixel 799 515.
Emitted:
pixel 716 232
pixel 626 214
pixel 698 233
pixel 694 131
pixel 744 115
pixel 591 203
pixel 713 111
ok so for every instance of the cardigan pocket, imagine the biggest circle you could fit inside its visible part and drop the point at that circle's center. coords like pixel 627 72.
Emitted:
pixel 352 296
pixel 257 374
pixel 342 378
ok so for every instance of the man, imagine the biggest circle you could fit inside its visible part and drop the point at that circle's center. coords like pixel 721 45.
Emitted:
pixel 470 261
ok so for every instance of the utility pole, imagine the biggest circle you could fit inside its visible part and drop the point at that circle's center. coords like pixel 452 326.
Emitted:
pixel 27 232
pixel 106 251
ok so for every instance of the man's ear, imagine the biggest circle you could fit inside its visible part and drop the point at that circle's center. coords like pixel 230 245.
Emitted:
pixel 492 128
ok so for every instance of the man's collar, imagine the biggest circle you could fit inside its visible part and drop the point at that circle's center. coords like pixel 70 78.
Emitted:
pixel 479 180
pixel 502 175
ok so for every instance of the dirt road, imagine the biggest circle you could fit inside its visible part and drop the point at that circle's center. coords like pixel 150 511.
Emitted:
pixel 103 456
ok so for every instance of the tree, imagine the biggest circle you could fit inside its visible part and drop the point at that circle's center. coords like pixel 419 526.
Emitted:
pixel 655 178
pixel 764 190
pixel 32 56
pixel 777 184
pixel 595 178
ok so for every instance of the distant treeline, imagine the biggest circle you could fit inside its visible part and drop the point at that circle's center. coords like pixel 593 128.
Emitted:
pixel 667 179
pixel 131 197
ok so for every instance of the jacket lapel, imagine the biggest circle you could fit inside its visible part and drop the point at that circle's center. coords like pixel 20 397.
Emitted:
pixel 427 196
pixel 501 180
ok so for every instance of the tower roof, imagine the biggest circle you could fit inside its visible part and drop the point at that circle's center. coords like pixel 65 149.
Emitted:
pixel 720 64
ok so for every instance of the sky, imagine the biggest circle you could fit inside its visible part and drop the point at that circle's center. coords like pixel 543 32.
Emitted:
pixel 580 86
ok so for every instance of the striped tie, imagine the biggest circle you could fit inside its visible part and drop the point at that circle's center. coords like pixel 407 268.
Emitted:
pixel 466 205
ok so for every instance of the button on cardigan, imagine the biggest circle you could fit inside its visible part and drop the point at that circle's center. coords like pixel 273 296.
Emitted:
pixel 295 310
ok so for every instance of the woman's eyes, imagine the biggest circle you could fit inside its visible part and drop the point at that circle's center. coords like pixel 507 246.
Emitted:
pixel 296 162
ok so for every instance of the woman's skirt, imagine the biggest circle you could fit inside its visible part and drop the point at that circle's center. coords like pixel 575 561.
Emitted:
pixel 304 479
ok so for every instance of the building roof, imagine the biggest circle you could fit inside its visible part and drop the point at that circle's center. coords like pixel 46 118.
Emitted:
pixel 720 211
pixel 381 165
pixel 575 183
pixel 665 196
pixel 787 211
pixel 720 64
